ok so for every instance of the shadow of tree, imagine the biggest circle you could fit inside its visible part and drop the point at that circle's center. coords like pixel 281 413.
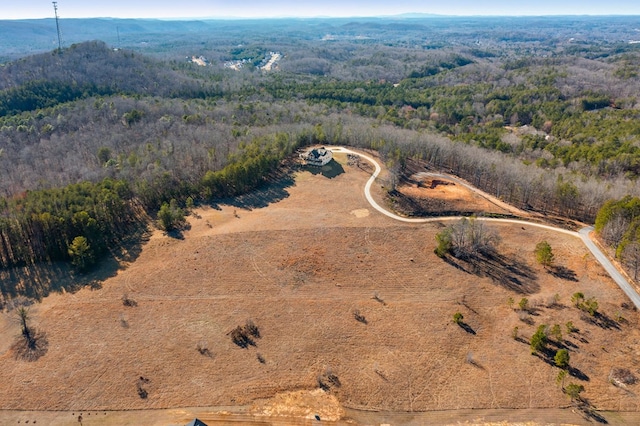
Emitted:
pixel 578 374
pixel 510 273
pixel 600 319
pixel 547 355
pixel 466 327
pixel 270 192
pixel 330 170
pixel 33 349
pixel 39 280
pixel 456 264
pixel 588 412
pixel 567 344
pixel 521 340
pixel 563 273
pixel 178 234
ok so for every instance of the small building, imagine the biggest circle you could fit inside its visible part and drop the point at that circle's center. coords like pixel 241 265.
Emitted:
pixel 196 422
pixel 317 157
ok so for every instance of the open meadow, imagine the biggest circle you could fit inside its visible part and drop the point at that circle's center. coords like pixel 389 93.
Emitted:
pixel 325 292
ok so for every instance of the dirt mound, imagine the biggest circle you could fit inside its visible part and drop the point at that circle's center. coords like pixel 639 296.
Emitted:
pixel 310 404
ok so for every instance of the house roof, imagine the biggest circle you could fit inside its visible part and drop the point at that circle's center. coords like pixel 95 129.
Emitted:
pixel 318 153
pixel 196 422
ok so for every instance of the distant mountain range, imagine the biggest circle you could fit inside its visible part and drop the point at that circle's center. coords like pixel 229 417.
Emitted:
pixel 19 38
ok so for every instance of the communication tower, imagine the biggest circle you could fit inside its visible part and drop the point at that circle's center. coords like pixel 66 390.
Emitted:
pixel 55 10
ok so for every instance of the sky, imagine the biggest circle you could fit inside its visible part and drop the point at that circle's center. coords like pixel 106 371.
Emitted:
pixel 180 9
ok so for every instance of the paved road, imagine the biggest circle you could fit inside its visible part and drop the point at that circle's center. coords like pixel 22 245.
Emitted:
pixel 609 267
pixel 583 234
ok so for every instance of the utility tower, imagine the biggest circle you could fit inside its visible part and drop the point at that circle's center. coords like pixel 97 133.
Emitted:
pixel 55 10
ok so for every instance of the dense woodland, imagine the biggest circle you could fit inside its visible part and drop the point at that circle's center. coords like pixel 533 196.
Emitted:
pixel 94 140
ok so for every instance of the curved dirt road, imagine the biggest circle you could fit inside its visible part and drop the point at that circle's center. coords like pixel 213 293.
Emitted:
pixel 583 234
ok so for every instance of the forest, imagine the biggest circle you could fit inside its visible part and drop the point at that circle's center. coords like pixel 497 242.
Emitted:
pixel 96 138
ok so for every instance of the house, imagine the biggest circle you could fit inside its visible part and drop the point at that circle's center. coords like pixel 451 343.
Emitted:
pixel 317 157
pixel 196 422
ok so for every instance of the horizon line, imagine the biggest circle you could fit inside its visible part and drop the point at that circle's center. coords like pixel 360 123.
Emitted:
pixel 407 15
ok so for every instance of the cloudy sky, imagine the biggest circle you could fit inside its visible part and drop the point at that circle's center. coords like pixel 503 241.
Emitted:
pixel 21 9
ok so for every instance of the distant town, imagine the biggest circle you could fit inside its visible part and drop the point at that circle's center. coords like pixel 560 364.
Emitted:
pixel 268 63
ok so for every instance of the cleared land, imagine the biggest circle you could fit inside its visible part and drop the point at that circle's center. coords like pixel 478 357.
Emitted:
pixel 301 269
pixel 440 196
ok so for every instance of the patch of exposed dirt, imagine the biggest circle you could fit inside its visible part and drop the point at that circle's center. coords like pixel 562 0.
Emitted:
pixel 308 404
pixel 437 196
pixel 359 213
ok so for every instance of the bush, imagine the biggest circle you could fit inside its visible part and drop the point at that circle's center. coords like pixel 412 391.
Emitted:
pixel 170 216
pixel 128 301
pixel 359 317
pixel 203 348
pixel 252 329
pixel 523 304
pixel 328 380
pixel 622 376
pixel 242 335
pixel 514 333
pixel 81 254
pixel 589 305
pixel 469 238
pixel 577 299
pixel 539 339
pixel 562 358
pixel 556 332
pixel 444 242
pixel 544 254
pixel 574 390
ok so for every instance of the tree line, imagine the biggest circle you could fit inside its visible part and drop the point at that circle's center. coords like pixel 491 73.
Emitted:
pixel 84 154
pixel 79 222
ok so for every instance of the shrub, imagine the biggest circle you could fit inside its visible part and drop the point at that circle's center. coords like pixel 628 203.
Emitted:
pixel 544 254
pixel 328 380
pixel 577 299
pixel 203 348
pixel 622 376
pixel 574 391
pixel 556 332
pixel 590 305
pixel 242 335
pixel 170 216
pixel 466 239
pixel 128 301
pixel 81 254
pixel 539 339
pixel 359 317
pixel 562 358
pixel 444 242
pixel 252 329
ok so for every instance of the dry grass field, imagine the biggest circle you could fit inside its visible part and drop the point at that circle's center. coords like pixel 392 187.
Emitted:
pixel 343 297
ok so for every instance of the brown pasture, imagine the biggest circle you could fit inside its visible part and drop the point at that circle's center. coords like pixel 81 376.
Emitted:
pixel 300 268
